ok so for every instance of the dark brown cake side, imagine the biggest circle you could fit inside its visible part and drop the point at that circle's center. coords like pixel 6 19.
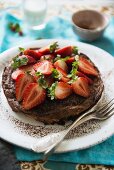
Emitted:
pixel 53 111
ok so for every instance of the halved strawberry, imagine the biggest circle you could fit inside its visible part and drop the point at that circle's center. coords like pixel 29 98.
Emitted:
pixel 63 74
pixel 67 51
pixel 22 69
pixel 44 67
pixel 62 90
pixel 28 68
pixel 80 74
pixel 49 49
pixel 81 87
pixel 29 58
pixel 70 60
pixel 15 73
pixel 48 57
pixel 44 50
pixel 61 64
pixel 33 53
pixel 33 96
pixel 21 83
pixel 87 67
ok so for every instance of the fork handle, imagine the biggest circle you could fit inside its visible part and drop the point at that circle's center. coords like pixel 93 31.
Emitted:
pixel 78 122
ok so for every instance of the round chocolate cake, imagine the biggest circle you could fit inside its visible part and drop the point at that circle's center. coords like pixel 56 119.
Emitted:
pixel 59 109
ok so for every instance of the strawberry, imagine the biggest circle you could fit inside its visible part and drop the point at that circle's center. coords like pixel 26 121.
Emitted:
pixel 21 83
pixel 62 90
pixel 29 58
pixel 81 87
pixel 22 69
pixel 63 75
pixel 87 67
pixel 28 68
pixel 61 64
pixel 70 60
pixel 67 51
pixel 48 57
pixel 33 95
pixel 80 74
pixel 44 67
pixel 16 73
pixel 44 50
pixel 48 49
pixel 33 53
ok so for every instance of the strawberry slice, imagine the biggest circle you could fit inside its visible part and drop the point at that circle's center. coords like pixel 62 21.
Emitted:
pixel 63 74
pixel 70 60
pixel 45 50
pixel 62 90
pixel 29 58
pixel 49 49
pixel 67 51
pixel 81 87
pixel 33 53
pixel 33 96
pixel 16 73
pixel 61 64
pixel 21 83
pixel 44 67
pixel 87 67
pixel 80 74
pixel 28 68
pixel 22 69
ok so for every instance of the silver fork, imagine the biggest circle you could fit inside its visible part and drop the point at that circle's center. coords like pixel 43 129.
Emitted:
pixel 102 113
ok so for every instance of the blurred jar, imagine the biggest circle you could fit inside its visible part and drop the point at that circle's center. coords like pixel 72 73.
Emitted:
pixel 34 12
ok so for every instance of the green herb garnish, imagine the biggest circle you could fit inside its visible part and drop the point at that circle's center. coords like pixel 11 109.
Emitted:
pixel 55 74
pixel 42 82
pixel 72 74
pixel 17 62
pixel 75 50
pixel 28 72
pixel 51 91
pixel 53 47
pixel 21 49
pixel 38 74
pixel 59 58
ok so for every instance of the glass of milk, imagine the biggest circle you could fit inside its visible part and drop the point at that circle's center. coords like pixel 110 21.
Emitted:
pixel 34 13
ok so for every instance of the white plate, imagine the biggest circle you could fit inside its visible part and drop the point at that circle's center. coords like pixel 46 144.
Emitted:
pixel 23 131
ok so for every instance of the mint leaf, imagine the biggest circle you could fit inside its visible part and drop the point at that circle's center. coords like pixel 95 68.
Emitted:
pixel 38 74
pixel 73 79
pixel 51 91
pixel 72 74
pixel 75 50
pixel 42 82
pixel 21 49
pixel 53 47
pixel 17 62
pixel 55 74
pixel 59 58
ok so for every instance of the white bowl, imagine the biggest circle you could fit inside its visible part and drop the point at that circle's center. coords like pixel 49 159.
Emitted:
pixel 89 24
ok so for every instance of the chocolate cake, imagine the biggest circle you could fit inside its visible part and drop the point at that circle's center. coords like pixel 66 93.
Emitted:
pixel 54 111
